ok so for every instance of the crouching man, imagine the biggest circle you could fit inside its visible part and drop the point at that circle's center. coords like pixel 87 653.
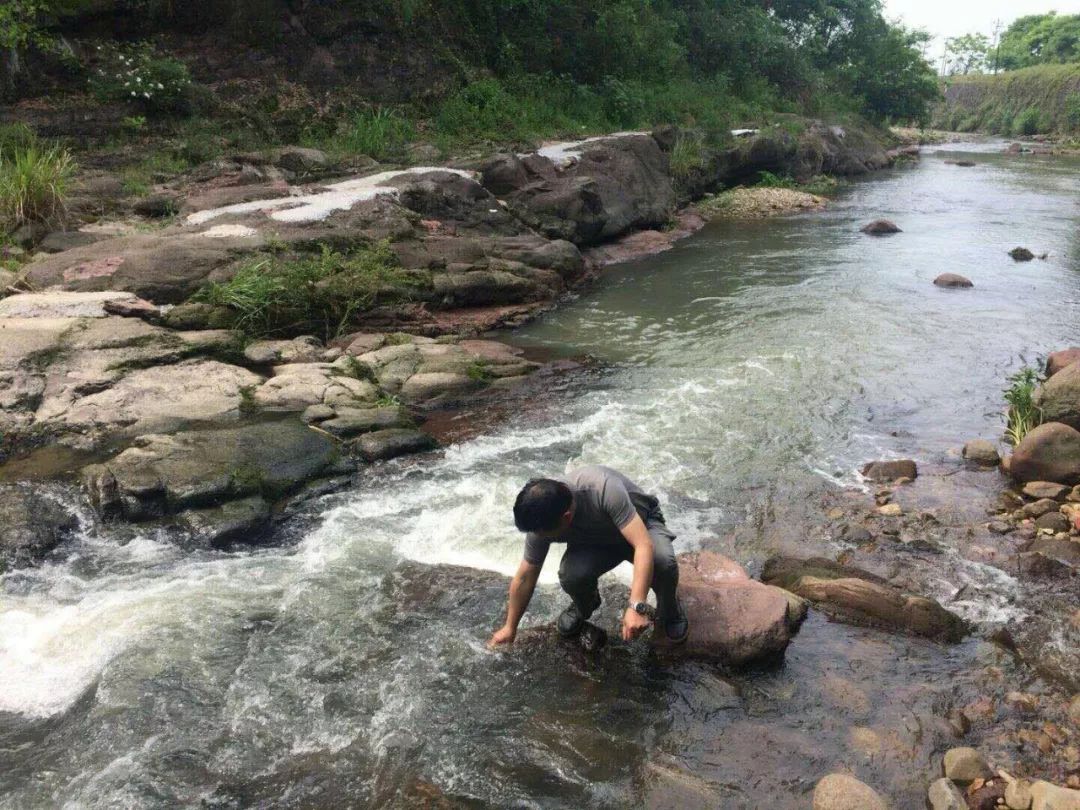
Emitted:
pixel 605 519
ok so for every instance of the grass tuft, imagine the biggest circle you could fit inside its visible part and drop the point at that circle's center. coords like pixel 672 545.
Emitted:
pixel 1023 415
pixel 34 180
pixel 324 292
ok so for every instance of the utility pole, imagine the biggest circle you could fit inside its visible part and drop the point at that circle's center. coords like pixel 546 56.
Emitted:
pixel 997 44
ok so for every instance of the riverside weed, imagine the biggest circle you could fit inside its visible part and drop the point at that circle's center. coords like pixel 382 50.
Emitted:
pixel 322 292
pixel 34 182
pixel 1022 414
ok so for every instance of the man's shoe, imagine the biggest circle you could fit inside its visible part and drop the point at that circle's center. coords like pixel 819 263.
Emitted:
pixel 571 621
pixel 677 626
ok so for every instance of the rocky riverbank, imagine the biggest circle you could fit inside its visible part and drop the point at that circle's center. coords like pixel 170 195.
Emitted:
pixel 114 349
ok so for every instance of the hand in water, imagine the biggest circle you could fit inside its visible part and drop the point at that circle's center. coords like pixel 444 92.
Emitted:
pixel 504 635
pixel 633 624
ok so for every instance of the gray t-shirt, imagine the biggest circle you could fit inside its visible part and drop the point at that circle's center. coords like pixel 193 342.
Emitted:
pixel 605 500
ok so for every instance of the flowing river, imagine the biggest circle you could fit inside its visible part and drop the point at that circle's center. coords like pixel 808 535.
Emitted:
pixel 741 374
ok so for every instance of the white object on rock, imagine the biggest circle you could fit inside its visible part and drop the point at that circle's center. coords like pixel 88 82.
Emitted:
pixel 319 205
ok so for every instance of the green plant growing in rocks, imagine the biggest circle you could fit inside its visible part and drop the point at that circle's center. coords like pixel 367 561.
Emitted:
pixel 687 154
pixel 1023 414
pixel 34 181
pixel 323 292
pixel 379 133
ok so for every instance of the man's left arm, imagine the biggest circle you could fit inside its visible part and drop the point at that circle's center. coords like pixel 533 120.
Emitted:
pixel 634 623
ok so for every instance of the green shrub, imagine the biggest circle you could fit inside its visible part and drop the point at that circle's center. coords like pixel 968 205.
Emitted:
pixel 379 133
pixel 1072 112
pixel 135 74
pixel 34 181
pixel 1026 123
pixel 16 136
pixel 1022 414
pixel 322 292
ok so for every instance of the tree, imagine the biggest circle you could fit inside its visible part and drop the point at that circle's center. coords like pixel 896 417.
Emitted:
pixel 1040 38
pixel 969 54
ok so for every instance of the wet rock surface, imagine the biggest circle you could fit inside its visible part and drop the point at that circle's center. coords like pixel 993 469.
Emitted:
pixel 166 474
pixel 854 595
pixel 734 620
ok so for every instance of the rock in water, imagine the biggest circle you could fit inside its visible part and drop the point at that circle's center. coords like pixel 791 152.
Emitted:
pixel 1045 796
pixel 944 795
pixel 1050 452
pixel 880 227
pixel 733 619
pixel 890 470
pixel 952 281
pixel 838 791
pixel 1021 254
pixel 31 524
pixel 1046 489
pixel 982 452
pixel 859 597
pixel 1059 397
pixel 965 765
pixel 1058 360
pixel 163 475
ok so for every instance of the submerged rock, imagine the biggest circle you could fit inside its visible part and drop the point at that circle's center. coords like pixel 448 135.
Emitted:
pixel 965 765
pixel 1046 490
pixel 1047 796
pixel 1049 452
pixel 857 596
pixel 944 795
pixel 838 791
pixel 953 281
pixel 1021 254
pixel 981 452
pixel 890 470
pixel 880 227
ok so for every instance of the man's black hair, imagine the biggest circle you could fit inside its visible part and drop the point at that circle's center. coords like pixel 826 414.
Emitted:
pixel 540 504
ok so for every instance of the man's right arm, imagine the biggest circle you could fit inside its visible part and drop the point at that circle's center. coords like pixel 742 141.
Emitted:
pixel 521 590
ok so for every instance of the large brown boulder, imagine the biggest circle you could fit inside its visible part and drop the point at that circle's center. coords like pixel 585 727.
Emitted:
pixel 734 620
pixel 1059 397
pixel 596 190
pixel 1058 360
pixel 1050 452
pixel 856 596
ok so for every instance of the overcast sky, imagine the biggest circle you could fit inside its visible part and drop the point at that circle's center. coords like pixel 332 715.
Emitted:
pixel 949 18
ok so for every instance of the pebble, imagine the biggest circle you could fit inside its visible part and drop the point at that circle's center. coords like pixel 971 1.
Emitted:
pixel 890 510
pixel 944 795
pixel 965 765
pixel 1046 489
pixel 999 527
pixel 838 791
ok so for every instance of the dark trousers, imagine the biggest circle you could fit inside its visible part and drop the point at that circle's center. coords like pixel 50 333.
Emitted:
pixel 582 566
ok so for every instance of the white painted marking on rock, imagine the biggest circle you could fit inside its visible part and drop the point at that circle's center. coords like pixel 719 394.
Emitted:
pixel 318 206
pixel 227 231
pixel 566 152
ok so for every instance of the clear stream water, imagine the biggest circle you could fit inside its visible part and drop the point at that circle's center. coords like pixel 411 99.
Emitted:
pixel 754 363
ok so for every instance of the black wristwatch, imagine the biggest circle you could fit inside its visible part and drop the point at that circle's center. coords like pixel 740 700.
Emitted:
pixel 644 608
